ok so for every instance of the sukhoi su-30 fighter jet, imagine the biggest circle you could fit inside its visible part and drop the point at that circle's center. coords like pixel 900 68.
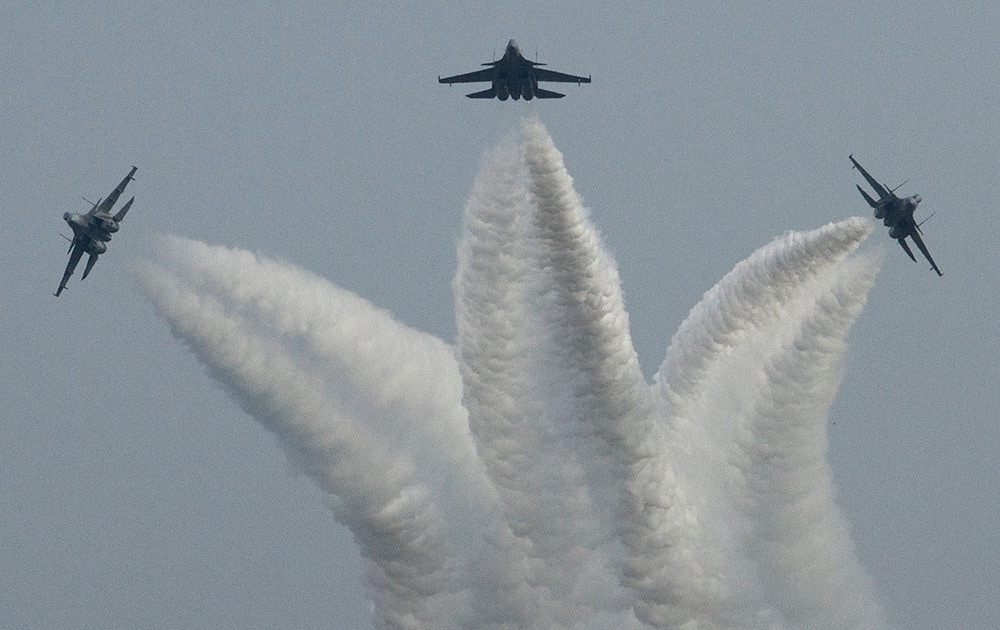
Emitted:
pixel 514 77
pixel 93 230
pixel 897 215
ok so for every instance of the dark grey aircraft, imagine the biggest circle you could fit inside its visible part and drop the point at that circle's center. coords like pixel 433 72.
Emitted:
pixel 897 215
pixel 515 77
pixel 93 230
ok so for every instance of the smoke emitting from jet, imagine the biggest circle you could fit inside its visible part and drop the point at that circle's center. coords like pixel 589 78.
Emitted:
pixel 529 476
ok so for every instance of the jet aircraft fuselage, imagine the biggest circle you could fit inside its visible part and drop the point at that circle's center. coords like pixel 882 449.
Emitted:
pixel 513 76
pixel 93 230
pixel 896 214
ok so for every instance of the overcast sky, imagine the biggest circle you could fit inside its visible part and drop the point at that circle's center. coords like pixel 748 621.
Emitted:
pixel 134 493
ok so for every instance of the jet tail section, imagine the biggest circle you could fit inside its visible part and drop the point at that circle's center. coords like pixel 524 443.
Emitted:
pixel 906 248
pixel 121 213
pixel 868 198
pixel 90 265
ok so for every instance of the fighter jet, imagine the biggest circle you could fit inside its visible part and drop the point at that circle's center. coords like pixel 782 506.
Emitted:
pixel 896 214
pixel 515 77
pixel 93 230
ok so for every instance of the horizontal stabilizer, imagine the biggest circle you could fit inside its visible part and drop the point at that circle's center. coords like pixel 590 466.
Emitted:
pixel 490 93
pixel 540 93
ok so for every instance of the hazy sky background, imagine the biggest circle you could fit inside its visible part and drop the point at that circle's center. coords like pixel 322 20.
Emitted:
pixel 134 493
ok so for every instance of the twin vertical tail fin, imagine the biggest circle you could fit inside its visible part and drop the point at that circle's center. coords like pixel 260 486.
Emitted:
pixel 90 265
pixel 906 248
pixel 121 213
pixel 868 198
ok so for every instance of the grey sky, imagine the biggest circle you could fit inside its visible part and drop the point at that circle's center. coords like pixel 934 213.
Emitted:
pixel 135 494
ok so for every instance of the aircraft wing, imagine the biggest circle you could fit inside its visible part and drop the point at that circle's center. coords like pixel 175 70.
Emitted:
pixel 105 206
pixel 487 74
pixel 550 75
pixel 76 252
pixel 915 235
pixel 879 188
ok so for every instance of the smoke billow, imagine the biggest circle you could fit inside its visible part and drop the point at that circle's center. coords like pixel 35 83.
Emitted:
pixel 530 476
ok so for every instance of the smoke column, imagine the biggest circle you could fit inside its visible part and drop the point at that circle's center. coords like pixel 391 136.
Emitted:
pixel 325 371
pixel 529 476
pixel 495 346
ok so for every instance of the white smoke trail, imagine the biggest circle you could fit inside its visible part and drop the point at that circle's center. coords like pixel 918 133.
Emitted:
pixel 796 533
pixel 703 380
pixel 597 396
pixel 508 369
pixel 491 309
pixel 572 493
pixel 756 289
pixel 588 319
pixel 371 361
pixel 713 381
pixel 414 576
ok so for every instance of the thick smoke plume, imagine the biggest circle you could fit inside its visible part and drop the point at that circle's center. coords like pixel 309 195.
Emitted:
pixel 529 476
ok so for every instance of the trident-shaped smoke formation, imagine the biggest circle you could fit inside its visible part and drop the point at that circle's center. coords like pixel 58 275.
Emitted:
pixel 529 476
